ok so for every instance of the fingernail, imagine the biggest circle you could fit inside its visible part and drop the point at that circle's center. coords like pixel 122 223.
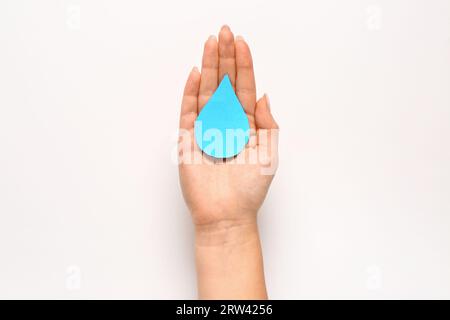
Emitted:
pixel 240 38
pixel 212 37
pixel 225 26
pixel 194 69
pixel 267 101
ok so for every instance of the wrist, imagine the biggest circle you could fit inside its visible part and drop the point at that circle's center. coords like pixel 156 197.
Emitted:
pixel 227 232
pixel 229 260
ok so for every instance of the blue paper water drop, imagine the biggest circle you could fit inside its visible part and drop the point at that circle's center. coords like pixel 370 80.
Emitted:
pixel 222 129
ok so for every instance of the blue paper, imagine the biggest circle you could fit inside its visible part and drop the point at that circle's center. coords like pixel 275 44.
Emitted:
pixel 222 129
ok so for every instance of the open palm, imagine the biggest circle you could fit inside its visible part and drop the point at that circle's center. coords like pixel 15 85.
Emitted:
pixel 230 190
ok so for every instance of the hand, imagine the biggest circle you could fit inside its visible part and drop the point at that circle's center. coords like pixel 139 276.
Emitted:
pixel 226 193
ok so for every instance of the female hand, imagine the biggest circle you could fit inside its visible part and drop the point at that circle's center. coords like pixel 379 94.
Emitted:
pixel 224 196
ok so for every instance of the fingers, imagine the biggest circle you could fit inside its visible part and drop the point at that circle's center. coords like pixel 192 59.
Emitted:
pixel 263 116
pixel 210 71
pixel 190 100
pixel 227 58
pixel 245 79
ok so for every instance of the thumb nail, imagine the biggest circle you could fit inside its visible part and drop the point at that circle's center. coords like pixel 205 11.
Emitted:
pixel 267 101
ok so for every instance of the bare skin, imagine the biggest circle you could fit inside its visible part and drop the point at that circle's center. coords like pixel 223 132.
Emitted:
pixel 224 196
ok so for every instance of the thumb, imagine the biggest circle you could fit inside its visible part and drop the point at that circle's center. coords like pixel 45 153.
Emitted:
pixel 263 116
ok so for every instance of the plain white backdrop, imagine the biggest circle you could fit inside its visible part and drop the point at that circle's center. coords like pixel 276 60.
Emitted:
pixel 90 205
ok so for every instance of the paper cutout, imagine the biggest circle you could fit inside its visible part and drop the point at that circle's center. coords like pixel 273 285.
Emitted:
pixel 222 129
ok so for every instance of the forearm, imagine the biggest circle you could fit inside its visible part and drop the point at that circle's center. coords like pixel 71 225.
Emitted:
pixel 229 261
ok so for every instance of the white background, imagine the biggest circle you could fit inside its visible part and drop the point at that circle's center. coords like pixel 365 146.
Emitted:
pixel 90 205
